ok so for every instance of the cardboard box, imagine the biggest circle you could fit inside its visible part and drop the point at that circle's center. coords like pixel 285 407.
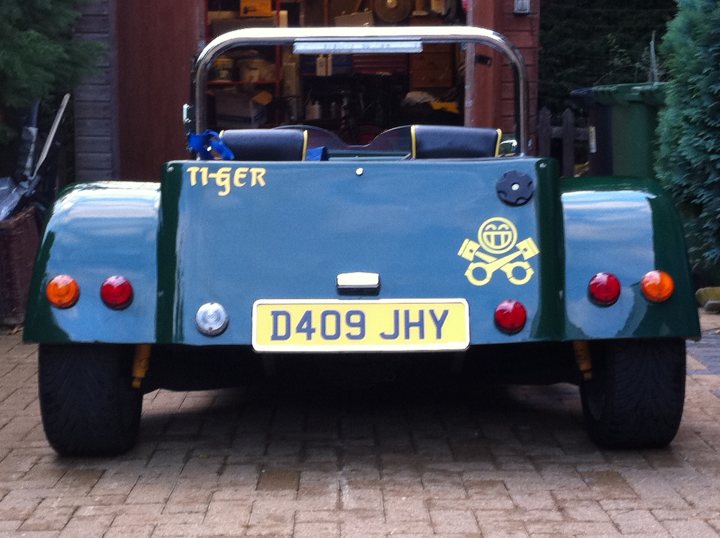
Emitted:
pixel 339 64
pixel 256 8
pixel 364 18
pixel 234 110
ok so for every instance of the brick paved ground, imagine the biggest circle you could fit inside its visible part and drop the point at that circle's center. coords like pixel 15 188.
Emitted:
pixel 365 456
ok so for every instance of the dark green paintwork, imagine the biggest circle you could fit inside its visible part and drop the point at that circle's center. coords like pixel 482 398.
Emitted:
pixel 627 227
pixel 312 220
pixel 405 220
pixel 97 230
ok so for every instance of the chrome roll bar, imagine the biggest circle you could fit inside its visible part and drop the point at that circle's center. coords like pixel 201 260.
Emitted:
pixel 354 39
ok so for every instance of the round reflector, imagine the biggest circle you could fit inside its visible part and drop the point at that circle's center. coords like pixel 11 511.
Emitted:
pixel 510 316
pixel 62 291
pixel 116 292
pixel 211 319
pixel 604 289
pixel 657 286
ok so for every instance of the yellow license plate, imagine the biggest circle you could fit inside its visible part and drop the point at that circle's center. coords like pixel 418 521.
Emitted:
pixel 380 325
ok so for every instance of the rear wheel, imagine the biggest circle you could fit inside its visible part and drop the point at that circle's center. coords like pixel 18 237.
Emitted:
pixel 636 395
pixel 87 402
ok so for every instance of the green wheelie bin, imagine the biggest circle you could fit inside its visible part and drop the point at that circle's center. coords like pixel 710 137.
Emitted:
pixel 634 109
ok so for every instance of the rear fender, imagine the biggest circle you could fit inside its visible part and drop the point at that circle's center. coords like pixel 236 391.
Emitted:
pixel 626 227
pixel 97 230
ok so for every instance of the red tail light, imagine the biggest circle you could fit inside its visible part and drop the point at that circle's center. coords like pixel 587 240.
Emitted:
pixel 510 316
pixel 604 289
pixel 116 292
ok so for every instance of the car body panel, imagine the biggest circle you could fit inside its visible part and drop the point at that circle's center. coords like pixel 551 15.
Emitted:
pixel 97 230
pixel 288 233
pixel 405 220
pixel 628 227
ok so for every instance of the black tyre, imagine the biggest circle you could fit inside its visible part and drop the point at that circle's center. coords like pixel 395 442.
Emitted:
pixel 87 402
pixel 636 395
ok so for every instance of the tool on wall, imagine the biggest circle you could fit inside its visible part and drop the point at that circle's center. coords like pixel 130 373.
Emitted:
pixel 392 11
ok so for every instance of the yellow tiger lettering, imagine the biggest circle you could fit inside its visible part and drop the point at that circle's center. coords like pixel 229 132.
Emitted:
pixel 258 177
pixel 240 174
pixel 222 179
pixel 227 177
pixel 193 171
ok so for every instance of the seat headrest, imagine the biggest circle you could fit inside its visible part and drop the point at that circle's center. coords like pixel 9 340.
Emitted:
pixel 266 144
pixel 449 142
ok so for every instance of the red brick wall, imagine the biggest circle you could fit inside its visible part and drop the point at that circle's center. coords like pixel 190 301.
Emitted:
pixel 156 41
pixel 494 94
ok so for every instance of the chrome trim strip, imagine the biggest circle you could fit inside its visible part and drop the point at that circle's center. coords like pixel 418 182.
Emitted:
pixel 358 281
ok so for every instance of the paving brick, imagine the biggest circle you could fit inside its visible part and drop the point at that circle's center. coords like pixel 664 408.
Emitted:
pixel 278 480
pixel 7 525
pixel 228 517
pixel 537 500
pixel 356 528
pixel 114 483
pixel 139 511
pixel 686 514
pixel 52 519
pixel 271 517
pixel 131 515
pixel 59 499
pixel 89 526
pixel 42 475
pixel 168 529
pixel 130 531
pixel 38 534
pixel 354 498
pixel 16 462
pixel 609 484
pixel 583 511
pixel 637 522
pixel 321 454
pixel 239 474
pixel 572 528
pixel 189 492
pixel 517 514
pixel 690 529
pixel 454 522
pixel 503 529
pixel 399 509
pixel 316 530
pixel 79 481
pixel 230 463
pixel 203 468
pixel 318 496
pixel 234 493
pixel 17 507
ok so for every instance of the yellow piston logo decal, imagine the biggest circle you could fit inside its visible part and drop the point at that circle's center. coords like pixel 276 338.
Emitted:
pixel 498 249
pixel 226 178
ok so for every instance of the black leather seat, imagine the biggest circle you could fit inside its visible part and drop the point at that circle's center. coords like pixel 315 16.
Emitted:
pixel 266 144
pixel 450 142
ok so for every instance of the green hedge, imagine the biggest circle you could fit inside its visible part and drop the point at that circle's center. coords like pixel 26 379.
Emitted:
pixel 689 127
pixel 590 42
pixel 38 55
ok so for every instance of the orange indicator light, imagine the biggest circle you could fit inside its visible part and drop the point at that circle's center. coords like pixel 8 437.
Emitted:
pixel 62 291
pixel 657 286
